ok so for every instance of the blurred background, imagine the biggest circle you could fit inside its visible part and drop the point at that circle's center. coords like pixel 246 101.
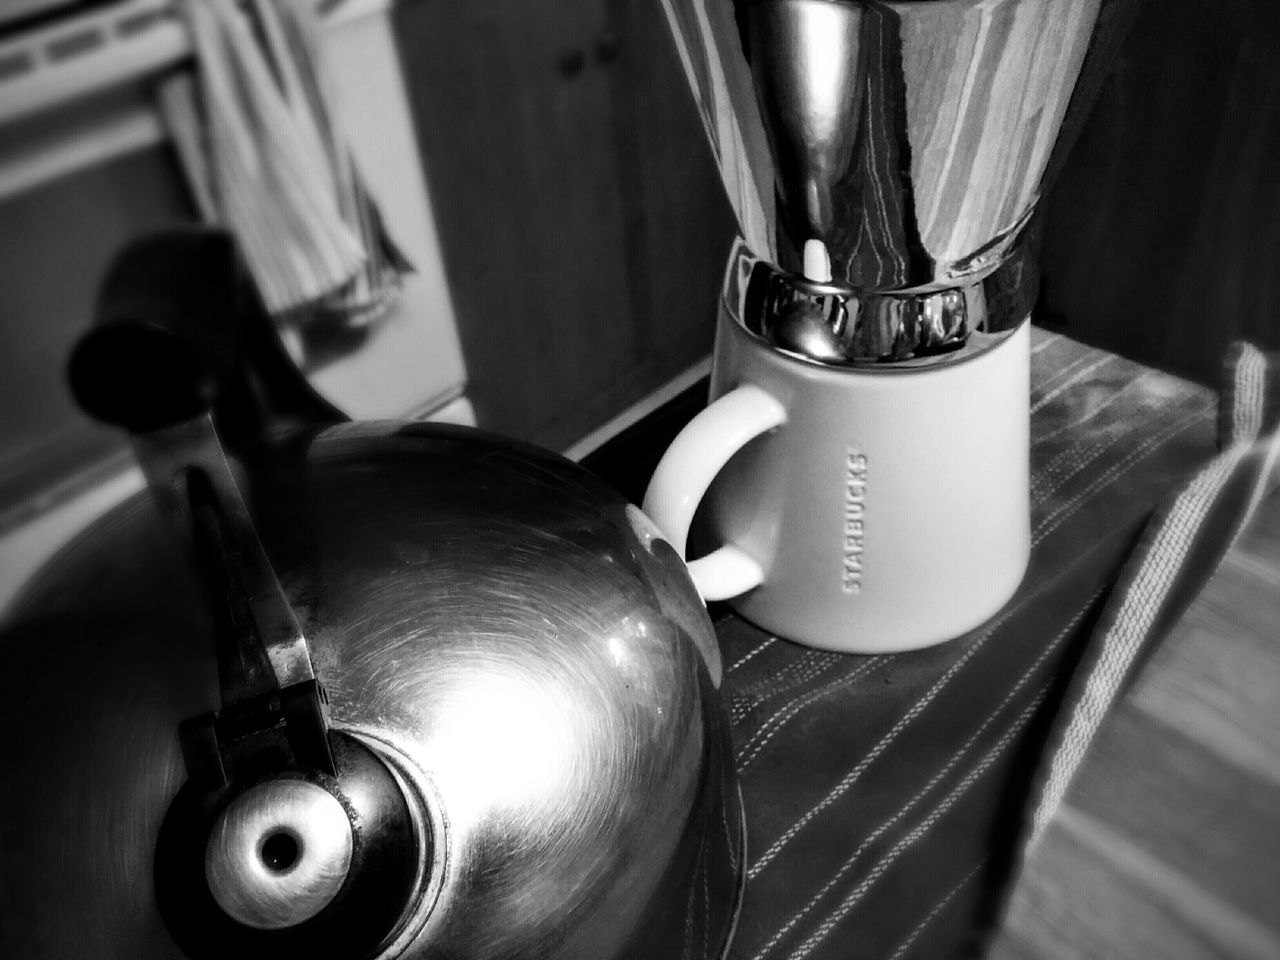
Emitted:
pixel 540 165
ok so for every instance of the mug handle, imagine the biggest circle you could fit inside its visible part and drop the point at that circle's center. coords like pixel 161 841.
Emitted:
pixel 686 470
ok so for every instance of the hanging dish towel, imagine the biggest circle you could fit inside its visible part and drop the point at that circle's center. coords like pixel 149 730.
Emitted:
pixel 264 157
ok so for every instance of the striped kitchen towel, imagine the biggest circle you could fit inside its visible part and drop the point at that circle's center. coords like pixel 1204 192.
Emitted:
pixel 889 798
pixel 264 155
pixel 1186 538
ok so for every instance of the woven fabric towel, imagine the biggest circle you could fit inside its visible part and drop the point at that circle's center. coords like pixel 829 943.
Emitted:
pixel 889 798
pixel 264 156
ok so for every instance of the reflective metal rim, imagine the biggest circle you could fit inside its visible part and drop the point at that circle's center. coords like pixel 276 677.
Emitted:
pixel 426 813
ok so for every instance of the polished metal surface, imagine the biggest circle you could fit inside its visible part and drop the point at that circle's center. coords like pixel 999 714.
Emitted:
pixel 170 458
pixel 827 324
pixel 810 324
pixel 278 854
pixel 908 139
pixel 519 644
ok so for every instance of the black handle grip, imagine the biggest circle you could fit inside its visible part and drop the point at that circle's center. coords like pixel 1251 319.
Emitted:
pixel 164 340
pixel 180 330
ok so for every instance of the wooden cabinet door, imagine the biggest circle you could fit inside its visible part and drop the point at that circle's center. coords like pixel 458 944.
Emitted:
pixel 1161 237
pixel 582 222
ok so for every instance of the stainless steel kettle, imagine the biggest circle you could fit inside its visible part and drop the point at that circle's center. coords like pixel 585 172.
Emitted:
pixel 418 691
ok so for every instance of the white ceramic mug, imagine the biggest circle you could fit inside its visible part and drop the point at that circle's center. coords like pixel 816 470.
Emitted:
pixel 861 510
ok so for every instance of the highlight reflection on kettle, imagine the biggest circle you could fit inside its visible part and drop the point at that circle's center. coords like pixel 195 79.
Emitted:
pixel 864 460
pixel 431 693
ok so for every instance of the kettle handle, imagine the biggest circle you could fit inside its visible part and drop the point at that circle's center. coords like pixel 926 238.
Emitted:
pixel 179 328
pixel 182 340
pixel 173 316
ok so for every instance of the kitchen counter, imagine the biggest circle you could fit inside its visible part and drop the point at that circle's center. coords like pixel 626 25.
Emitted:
pixel 889 799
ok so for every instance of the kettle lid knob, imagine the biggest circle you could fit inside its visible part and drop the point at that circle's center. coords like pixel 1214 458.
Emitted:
pixel 278 854
pixel 292 861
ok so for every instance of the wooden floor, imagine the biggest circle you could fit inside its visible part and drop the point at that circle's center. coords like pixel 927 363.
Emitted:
pixel 1168 843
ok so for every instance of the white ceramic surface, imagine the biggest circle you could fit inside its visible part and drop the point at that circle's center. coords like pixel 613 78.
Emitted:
pixel 865 511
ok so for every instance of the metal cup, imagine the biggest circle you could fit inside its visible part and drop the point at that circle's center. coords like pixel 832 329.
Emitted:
pixel 891 151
